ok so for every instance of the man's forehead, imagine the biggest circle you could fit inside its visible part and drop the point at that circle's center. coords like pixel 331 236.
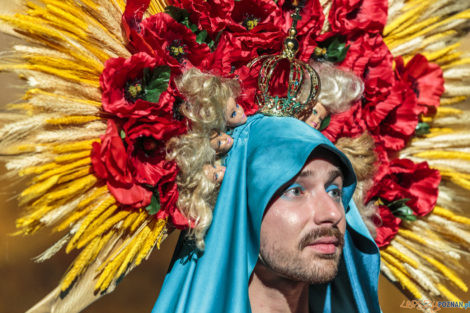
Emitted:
pixel 319 167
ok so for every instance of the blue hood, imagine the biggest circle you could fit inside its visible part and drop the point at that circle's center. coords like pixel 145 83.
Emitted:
pixel 267 153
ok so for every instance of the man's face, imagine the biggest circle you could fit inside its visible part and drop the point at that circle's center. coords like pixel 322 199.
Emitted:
pixel 302 230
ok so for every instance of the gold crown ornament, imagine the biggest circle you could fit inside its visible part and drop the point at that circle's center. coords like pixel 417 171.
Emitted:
pixel 300 73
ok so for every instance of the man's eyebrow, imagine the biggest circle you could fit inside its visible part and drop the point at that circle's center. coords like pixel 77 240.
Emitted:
pixel 306 173
pixel 333 174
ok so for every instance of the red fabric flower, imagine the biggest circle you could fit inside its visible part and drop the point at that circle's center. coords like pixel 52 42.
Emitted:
pixel 347 16
pixel 386 226
pixel 120 75
pixel 132 166
pixel 399 125
pixel 424 78
pixel 110 162
pixel 146 147
pixel 237 49
pixel 168 193
pixel 312 17
pixel 174 40
pixel 211 15
pixel 403 179
pixel 250 15
pixel 249 84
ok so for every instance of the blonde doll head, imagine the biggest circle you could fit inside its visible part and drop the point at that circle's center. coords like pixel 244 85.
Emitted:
pixel 211 101
pixel 339 89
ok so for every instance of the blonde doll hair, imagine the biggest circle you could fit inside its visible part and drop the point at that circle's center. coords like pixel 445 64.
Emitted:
pixel 197 193
pixel 206 96
pixel 339 88
pixel 360 151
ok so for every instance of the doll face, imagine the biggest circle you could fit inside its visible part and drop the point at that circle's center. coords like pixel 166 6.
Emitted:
pixel 234 113
pixel 221 142
pixel 319 113
pixel 214 172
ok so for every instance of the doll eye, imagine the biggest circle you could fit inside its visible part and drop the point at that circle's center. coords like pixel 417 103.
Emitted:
pixel 315 112
pixel 237 105
pixel 234 113
pixel 219 143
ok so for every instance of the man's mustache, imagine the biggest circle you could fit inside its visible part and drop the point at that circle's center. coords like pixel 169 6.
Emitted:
pixel 310 237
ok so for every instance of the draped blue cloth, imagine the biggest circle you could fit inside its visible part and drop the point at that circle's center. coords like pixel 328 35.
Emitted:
pixel 266 154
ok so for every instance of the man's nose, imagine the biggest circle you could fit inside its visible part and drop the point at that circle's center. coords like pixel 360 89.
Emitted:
pixel 326 210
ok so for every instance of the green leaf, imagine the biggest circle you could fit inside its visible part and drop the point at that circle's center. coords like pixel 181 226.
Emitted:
pixel 176 13
pixel 324 124
pixel 397 203
pixel 201 37
pixel 401 210
pixel 154 205
pixel 155 81
pixel 193 28
pixel 422 129
pixel 336 51
pixel 122 134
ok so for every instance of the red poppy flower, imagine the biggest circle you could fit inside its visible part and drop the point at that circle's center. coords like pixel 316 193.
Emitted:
pixel 235 50
pixel 249 85
pixel 168 194
pixel 387 226
pixel 424 78
pixel 399 125
pixel 249 15
pixel 346 124
pixel 132 159
pixel 211 15
pixel 110 162
pixel 138 86
pixel 347 16
pixel 146 147
pixel 176 41
pixel 312 17
pixel 403 179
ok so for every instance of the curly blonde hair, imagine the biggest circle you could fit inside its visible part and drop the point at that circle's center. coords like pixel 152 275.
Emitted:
pixel 339 88
pixel 360 151
pixel 206 96
pixel 206 99
pixel 197 193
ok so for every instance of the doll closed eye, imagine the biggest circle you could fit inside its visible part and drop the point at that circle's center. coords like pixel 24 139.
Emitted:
pixel 221 142
pixel 214 173
pixel 234 113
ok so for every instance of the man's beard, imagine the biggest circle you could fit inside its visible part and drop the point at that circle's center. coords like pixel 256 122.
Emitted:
pixel 289 263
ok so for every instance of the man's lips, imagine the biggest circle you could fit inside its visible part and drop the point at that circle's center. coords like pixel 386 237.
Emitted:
pixel 325 245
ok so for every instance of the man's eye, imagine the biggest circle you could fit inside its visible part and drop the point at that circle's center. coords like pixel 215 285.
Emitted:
pixel 293 191
pixel 334 192
pixel 234 113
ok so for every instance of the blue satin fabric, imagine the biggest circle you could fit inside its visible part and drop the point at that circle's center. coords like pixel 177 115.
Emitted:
pixel 267 153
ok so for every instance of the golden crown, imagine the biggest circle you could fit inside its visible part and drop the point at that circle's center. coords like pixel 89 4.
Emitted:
pixel 290 105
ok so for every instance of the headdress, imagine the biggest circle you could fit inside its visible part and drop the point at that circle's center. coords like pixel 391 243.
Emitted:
pixel 103 105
